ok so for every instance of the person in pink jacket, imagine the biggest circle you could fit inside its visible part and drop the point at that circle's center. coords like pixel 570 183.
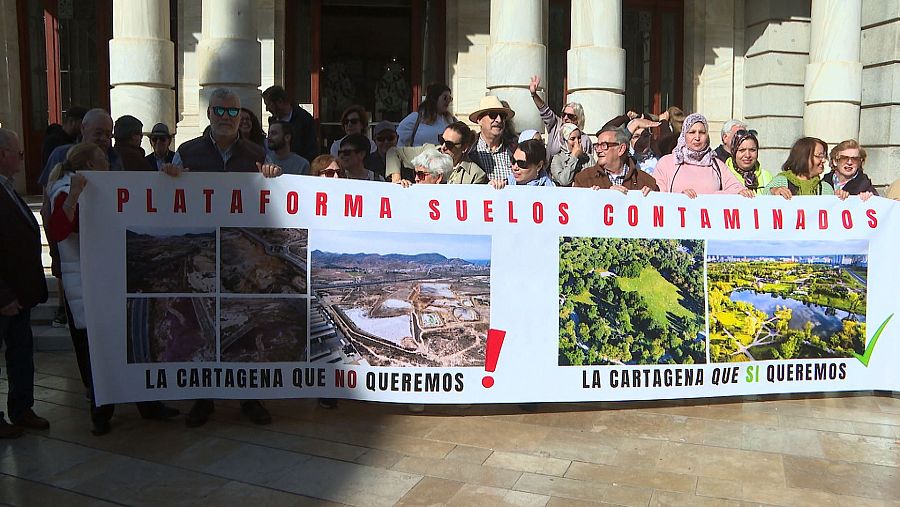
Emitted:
pixel 692 168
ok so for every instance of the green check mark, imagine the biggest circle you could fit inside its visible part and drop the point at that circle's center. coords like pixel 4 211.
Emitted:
pixel 864 359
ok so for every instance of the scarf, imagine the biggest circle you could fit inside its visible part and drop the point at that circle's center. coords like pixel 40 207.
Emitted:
pixel 683 154
pixel 541 180
pixel 751 180
pixel 804 187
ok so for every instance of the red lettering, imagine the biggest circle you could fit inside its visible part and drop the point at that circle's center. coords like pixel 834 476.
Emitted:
pixel 733 218
pixel 263 201
pixel 462 210
pixel 704 219
pixel 608 214
pixel 353 205
pixel 435 213
pixel 180 206
pixel 537 212
pixel 563 213
pixel 777 219
pixel 207 194
pixel 632 215
pixel 122 197
pixel 293 202
pixel 488 211
pixel 321 204
pixel 847 219
pixel 801 219
pixel 658 214
pixel 823 219
pixel 755 218
pixel 681 210
pixel 385 208
pixel 873 220
pixel 237 201
pixel 150 207
pixel 512 214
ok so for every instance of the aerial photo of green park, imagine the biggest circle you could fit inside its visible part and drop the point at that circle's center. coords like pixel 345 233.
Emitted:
pixel 786 300
pixel 631 301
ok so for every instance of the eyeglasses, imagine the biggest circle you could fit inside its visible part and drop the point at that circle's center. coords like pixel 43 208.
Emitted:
pixel 222 111
pixel 384 139
pixel 819 156
pixel 21 154
pixel 330 173
pixel 521 163
pixel 844 159
pixel 494 114
pixel 351 121
pixel 570 116
pixel 603 146
pixel 450 145
pixel 420 175
pixel 347 153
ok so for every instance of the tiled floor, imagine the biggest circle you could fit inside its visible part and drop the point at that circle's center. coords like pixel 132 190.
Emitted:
pixel 835 450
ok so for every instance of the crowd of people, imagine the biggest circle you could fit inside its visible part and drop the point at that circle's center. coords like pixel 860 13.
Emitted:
pixel 671 152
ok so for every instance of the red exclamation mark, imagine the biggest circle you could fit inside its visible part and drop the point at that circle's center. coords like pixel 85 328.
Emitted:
pixel 492 354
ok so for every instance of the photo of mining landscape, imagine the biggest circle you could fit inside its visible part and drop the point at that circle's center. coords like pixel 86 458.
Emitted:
pixel 171 329
pixel 263 329
pixel 258 260
pixel 396 299
pixel 786 299
pixel 170 260
pixel 631 301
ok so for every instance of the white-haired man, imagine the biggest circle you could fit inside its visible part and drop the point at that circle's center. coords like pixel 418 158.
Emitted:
pixel 723 152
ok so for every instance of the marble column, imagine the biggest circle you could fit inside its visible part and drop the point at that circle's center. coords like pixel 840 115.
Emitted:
pixel 833 84
pixel 596 62
pixel 228 54
pixel 516 52
pixel 142 62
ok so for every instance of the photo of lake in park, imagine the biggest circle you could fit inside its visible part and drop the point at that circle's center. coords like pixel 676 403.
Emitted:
pixel 786 300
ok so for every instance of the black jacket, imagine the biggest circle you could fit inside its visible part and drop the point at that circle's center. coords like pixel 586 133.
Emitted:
pixel 21 272
pixel 305 141
pixel 151 158
pixel 859 184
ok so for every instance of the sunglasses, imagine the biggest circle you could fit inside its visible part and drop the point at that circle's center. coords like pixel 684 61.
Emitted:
pixel 420 175
pixel 450 145
pixel 843 159
pixel 744 132
pixel 570 116
pixel 521 163
pixel 330 173
pixel 158 139
pixel 383 139
pixel 494 114
pixel 351 121
pixel 222 111
pixel 347 153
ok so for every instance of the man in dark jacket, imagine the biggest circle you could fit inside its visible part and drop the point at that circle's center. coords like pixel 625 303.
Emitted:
pixel 160 140
pixel 128 132
pixel 22 287
pixel 305 139
pixel 67 133
pixel 615 169
pixel 222 150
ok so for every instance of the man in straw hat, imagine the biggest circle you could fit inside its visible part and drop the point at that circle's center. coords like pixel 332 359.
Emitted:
pixel 491 153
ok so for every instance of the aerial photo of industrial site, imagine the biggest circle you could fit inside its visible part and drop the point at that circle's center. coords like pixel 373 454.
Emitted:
pixel 170 260
pixel 165 329
pixel 263 329
pixel 258 260
pixel 397 299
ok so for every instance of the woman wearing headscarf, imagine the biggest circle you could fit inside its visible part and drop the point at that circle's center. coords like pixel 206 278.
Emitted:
pixel 571 159
pixel 744 162
pixel 692 168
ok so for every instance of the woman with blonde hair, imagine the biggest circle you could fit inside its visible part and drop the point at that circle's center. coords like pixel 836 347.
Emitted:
pixel 847 161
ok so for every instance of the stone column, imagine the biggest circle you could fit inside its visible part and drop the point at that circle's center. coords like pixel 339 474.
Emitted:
pixel 142 62
pixel 596 62
pixel 833 85
pixel 517 51
pixel 228 54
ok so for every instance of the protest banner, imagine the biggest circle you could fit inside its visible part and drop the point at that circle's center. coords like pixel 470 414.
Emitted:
pixel 236 286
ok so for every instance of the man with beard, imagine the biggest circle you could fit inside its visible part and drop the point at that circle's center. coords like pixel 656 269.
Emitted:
pixel 281 134
pixel 492 153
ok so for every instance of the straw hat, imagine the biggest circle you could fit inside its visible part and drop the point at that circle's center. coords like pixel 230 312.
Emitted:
pixel 490 103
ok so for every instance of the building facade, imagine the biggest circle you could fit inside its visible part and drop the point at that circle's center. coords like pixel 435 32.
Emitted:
pixel 827 68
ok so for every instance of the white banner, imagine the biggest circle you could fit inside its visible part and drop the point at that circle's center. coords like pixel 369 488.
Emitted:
pixel 236 286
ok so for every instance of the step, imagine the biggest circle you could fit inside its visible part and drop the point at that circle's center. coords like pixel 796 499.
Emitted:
pixel 51 339
pixel 42 315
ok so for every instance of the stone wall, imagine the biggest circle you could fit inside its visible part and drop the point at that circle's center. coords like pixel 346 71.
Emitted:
pixel 777 40
pixel 879 129
pixel 10 77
